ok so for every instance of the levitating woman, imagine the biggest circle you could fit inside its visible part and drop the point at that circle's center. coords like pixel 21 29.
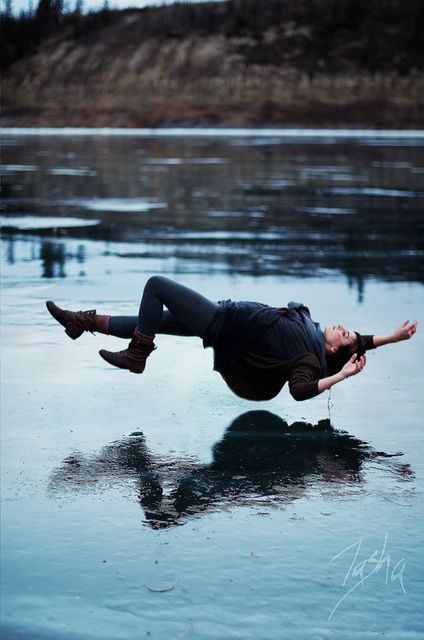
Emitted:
pixel 257 348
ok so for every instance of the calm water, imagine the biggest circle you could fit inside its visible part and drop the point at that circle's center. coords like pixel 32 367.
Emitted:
pixel 162 506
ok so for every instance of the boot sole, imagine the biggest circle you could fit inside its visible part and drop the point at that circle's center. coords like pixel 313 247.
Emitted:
pixel 73 337
pixel 112 364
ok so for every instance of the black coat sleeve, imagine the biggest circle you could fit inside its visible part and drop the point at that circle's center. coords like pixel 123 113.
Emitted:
pixel 369 342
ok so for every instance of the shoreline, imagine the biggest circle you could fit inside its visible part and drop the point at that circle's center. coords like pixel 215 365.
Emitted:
pixel 190 111
pixel 247 132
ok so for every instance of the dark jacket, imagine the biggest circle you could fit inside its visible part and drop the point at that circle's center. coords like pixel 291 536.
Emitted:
pixel 253 379
pixel 235 334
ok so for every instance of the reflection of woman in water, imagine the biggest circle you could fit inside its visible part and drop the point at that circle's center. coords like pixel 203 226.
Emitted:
pixel 260 460
pixel 257 348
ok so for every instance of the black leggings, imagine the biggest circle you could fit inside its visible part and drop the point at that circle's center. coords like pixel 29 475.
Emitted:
pixel 188 313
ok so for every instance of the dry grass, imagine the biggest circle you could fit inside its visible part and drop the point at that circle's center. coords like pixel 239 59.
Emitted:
pixel 108 78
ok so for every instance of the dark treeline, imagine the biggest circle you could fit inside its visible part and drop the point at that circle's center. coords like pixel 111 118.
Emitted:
pixel 21 35
pixel 330 20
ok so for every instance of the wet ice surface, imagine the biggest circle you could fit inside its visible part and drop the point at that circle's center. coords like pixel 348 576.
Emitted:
pixel 30 223
pixel 163 506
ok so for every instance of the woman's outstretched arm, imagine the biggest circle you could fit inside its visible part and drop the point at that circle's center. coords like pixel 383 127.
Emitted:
pixel 351 368
pixel 404 332
pixel 305 385
pixel 302 391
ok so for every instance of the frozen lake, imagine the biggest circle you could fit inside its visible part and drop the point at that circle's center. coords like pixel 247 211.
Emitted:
pixel 163 506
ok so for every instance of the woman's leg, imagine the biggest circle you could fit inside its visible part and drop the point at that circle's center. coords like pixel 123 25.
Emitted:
pixel 124 326
pixel 188 308
pixel 193 313
pixel 190 311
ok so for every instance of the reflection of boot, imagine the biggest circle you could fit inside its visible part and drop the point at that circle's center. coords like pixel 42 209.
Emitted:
pixel 76 322
pixel 135 356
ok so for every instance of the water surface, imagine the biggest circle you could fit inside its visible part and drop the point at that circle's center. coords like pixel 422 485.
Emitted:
pixel 164 506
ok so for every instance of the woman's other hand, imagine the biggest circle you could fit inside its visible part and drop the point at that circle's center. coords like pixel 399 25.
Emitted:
pixel 353 366
pixel 405 331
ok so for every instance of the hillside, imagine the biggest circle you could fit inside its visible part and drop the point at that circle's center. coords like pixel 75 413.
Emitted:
pixel 245 62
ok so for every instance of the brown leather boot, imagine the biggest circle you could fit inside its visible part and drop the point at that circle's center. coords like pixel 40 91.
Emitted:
pixel 135 356
pixel 75 322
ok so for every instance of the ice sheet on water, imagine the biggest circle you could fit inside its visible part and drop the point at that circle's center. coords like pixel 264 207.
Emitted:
pixel 25 223
pixel 188 160
pixel 69 171
pixel 233 214
pixel 326 211
pixel 12 168
pixel 375 136
pixel 114 204
pixel 375 191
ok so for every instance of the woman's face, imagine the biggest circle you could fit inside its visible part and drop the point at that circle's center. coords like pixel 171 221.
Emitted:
pixel 336 336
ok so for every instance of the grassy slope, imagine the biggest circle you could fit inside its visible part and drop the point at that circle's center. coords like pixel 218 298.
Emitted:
pixel 311 62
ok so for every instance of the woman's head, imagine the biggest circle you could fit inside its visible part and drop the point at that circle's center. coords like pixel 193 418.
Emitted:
pixel 340 344
pixel 337 338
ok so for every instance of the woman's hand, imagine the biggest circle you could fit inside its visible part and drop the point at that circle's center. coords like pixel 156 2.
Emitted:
pixel 353 366
pixel 405 331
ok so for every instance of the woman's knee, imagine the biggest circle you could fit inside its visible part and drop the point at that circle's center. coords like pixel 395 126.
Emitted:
pixel 156 283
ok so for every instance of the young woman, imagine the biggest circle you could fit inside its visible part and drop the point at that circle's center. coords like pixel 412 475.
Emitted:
pixel 257 348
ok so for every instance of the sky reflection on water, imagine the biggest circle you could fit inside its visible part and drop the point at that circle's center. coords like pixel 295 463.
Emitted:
pixel 297 210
